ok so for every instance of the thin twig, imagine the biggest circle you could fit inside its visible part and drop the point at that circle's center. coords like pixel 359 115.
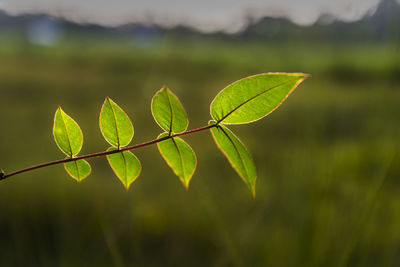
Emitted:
pixel 4 176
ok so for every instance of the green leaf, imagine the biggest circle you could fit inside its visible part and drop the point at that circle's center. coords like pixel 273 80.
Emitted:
pixel 179 156
pixel 254 97
pixel 78 169
pixel 168 111
pixel 125 165
pixel 115 124
pixel 67 133
pixel 236 153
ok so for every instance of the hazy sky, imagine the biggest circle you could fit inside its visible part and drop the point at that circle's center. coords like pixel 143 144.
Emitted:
pixel 206 15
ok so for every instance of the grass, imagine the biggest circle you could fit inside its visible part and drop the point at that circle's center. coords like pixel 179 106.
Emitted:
pixel 328 192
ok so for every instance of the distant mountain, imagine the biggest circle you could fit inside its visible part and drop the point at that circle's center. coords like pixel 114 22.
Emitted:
pixel 381 26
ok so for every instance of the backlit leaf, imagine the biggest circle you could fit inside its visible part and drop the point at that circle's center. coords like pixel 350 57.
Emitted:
pixel 179 156
pixel 67 133
pixel 78 169
pixel 254 97
pixel 236 153
pixel 115 124
pixel 168 111
pixel 125 165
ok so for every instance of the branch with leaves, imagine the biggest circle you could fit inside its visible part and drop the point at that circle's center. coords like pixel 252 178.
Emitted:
pixel 244 101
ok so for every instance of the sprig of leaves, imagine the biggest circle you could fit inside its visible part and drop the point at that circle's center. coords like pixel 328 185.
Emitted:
pixel 69 138
pixel 117 129
pixel 169 113
pixel 243 101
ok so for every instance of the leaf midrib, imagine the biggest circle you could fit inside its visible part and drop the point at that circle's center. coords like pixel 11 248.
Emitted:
pixel 240 157
pixel 126 170
pixel 77 170
pixel 253 97
pixel 172 113
pixel 180 158
pixel 115 123
pixel 66 132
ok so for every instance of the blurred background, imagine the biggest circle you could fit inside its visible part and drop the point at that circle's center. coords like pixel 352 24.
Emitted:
pixel 328 187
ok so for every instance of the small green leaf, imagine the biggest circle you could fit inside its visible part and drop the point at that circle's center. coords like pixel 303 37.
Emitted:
pixel 125 165
pixel 236 153
pixel 115 124
pixel 168 111
pixel 254 97
pixel 179 156
pixel 67 133
pixel 78 169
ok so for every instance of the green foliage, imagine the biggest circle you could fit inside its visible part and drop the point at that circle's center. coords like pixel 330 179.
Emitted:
pixel 69 138
pixel 254 97
pixel 237 154
pixel 168 111
pixel 115 125
pixel 170 115
pixel 67 133
pixel 117 129
pixel 78 169
pixel 125 165
pixel 244 101
pixel 179 156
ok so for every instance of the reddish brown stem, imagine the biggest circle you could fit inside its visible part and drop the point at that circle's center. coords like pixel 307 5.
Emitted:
pixel 4 176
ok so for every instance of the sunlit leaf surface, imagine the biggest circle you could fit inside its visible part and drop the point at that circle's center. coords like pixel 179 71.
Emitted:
pixel 78 169
pixel 168 111
pixel 125 165
pixel 179 156
pixel 236 153
pixel 115 124
pixel 254 97
pixel 67 133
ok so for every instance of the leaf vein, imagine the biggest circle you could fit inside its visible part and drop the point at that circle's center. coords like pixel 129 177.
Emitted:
pixel 180 157
pixel 115 122
pixel 237 151
pixel 172 113
pixel 253 97
pixel 66 132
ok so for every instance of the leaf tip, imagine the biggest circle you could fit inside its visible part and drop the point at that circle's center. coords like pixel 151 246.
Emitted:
pixel 108 99
pixel 252 188
pixel 303 78
pixel 253 192
pixel 186 185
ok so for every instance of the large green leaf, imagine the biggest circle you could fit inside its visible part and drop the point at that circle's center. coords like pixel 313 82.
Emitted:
pixel 125 165
pixel 168 111
pixel 78 169
pixel 236 153
pixel 254 97
pixel 179 156
pixel 67 133
pixel 115 124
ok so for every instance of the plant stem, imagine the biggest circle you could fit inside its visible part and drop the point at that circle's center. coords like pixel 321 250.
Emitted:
pixel 4 176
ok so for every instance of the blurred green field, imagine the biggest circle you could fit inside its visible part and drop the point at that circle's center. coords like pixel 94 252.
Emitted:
pixel 328 188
